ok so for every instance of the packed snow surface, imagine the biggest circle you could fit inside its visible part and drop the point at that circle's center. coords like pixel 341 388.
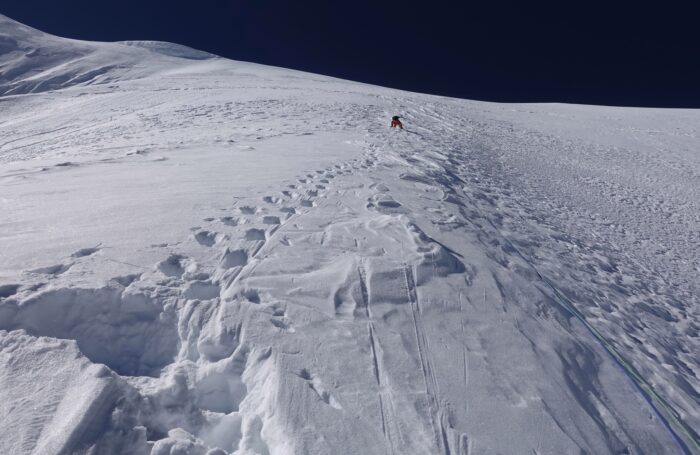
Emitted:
pixel 202 256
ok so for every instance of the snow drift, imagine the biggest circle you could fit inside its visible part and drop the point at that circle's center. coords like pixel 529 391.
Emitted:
pixel 202 256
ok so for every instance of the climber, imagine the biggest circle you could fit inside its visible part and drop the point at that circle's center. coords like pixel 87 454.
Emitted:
pixel 395 122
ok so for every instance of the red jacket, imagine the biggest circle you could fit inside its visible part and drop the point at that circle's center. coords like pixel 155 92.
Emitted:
pixel 396 123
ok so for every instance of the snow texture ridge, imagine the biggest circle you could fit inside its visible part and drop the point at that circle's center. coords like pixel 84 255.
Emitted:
pixel 207 257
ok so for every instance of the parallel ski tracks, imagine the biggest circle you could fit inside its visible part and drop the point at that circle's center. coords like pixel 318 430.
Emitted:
pixel 386 404
pixel 432 391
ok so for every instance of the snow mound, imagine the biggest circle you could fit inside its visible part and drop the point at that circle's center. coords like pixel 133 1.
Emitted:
pixel 72 398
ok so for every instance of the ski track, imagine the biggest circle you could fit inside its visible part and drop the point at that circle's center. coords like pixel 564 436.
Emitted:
pixel 468 285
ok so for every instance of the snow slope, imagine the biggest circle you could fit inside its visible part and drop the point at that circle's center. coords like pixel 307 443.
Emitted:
pixel 202 256
pixel 36 62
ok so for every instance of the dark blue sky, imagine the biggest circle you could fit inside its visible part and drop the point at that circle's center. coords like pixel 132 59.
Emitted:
pixel 491 50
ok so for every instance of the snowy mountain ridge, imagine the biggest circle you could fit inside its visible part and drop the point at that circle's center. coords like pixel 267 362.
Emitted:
pixel 32 61
pixel 202 256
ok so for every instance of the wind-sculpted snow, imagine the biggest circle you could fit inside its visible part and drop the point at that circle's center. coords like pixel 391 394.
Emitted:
pixel 211 257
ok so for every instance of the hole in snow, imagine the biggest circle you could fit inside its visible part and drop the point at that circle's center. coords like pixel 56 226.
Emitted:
pixel 305 375
pixel 234 258
pixel 247 210
pixel 389 203
pixel 205 238
pixel 130 333
pixel 85 252
pixel 52 269
pixel 252 295
pixel 255 234
pixel 8 290
pixel 173 266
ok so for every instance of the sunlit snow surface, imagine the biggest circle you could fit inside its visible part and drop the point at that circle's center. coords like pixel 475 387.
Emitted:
pixel 198 253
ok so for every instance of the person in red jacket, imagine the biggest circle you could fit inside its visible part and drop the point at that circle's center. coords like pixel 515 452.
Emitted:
pixel 395 122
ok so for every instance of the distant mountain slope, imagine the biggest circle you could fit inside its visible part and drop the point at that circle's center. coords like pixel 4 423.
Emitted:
pixel 32 61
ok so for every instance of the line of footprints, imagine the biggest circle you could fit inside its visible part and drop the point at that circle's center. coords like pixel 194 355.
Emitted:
pixel 255 226
pixel 237 239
